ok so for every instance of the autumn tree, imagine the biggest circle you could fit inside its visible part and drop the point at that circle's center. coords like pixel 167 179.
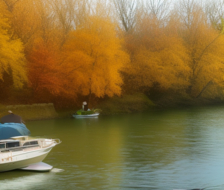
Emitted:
pixel 205 46
pixel 159 58
pixel 33 22
pixel 126 12
pixel 12 59
pixel 94 57
pixel 44 70
pixel 67 15
pixel 214 10
pixel 160 9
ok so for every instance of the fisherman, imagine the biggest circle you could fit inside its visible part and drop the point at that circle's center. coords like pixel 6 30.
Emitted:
pixel 84 106
pixel 11 118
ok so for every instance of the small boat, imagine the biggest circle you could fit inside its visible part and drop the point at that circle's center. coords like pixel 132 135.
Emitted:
pixel 93 115
pixel 85 112
pixel 24 152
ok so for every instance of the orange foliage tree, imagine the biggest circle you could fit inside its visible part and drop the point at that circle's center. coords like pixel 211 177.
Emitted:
pixel 12 58
pixel 158 56
pixel 68 52
pixel 205 46
pixel 44 69
pixel 94 54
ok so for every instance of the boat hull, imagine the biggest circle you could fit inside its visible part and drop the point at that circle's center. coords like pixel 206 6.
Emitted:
pixel 86 116
pixel 40 166
pixel 12 161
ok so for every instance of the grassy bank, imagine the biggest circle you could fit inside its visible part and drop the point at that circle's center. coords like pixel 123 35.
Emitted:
pixel 126 104
pixel 116 105
pixel 31 112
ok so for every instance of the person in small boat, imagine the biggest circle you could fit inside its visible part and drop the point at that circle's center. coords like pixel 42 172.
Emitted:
pixel 85 106
pixel 11 118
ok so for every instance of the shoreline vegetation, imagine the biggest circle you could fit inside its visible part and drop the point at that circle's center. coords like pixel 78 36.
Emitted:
pixel 31 112
pixel 112 106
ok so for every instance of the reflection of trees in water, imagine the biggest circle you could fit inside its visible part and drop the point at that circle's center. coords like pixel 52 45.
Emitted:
pixel 164 137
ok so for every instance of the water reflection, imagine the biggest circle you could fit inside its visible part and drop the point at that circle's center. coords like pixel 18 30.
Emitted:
pixel 26 180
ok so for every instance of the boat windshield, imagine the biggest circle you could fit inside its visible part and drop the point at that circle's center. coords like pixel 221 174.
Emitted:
pixel 12 144
pixel 2 145
pixel 30 143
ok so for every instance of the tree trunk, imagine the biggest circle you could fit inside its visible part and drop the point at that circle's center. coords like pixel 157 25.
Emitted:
pixel 203 89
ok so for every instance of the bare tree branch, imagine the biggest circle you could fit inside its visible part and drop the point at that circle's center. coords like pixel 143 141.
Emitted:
pixel 126 11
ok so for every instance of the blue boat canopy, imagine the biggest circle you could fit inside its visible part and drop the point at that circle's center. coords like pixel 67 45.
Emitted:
pixel 8 130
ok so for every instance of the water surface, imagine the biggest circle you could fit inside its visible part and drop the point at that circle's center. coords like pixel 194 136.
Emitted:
pixel 161 150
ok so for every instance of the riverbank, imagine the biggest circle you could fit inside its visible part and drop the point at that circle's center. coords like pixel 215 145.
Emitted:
pixel 126 104
pixel 117 105
pixel 31 112
pixel 184 100
pixel 111 106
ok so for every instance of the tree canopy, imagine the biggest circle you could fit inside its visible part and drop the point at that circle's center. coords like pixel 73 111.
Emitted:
pixel 94 53
pixel 77 48
pixel 12 59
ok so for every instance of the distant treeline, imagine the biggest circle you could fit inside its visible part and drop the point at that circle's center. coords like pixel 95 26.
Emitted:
pixel 66 51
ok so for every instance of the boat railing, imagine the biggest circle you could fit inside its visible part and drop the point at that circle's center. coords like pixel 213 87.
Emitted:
pixel 18 148
pixel 43 143
pixel 57 141
pixel 49 142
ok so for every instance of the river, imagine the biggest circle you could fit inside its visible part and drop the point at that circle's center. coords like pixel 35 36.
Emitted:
pixel 156 150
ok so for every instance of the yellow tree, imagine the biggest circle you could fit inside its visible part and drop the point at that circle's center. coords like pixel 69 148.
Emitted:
pixel 205 46
pixel 12 59
pixel 208 68
pixel 101 58
pixel 33 19
pixel 158 56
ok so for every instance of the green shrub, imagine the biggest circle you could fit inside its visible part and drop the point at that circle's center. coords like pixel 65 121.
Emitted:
pixel 82 112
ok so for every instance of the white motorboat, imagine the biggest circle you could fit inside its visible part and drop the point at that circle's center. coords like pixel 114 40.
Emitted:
pixel 86 116
pixel 23 152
